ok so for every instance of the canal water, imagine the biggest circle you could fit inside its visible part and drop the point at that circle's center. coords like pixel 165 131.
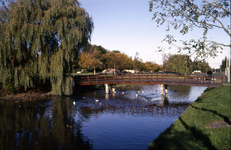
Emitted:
pixel 129 119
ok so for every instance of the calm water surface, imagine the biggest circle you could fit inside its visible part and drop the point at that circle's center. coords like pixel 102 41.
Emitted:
pixel 95 120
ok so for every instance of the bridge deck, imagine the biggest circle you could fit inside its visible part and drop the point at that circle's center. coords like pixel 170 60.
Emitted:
pixel 153 78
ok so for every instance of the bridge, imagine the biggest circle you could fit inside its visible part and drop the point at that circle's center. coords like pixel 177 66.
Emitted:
pixel 152 78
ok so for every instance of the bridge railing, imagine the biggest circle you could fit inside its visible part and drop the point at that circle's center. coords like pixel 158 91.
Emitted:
pixel 151 78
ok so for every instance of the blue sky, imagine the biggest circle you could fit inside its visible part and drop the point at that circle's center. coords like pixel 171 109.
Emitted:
pixel 127 26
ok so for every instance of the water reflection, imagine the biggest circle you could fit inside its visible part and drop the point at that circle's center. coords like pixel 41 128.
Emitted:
pixel 94 120
pixel 148 111
pixel 41 125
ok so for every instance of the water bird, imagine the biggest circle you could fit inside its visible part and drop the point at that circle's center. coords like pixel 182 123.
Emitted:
pixel 122 92
pixel 69 126
pixel 73 103
pixel 142 91
pixel 138 91
pixel 136 95
pixel 96 100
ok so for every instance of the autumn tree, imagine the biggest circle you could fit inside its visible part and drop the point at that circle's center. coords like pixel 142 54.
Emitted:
pixel 102 51
pixel 123 61
pixel 186 15
pixel 111 60
pixel 39 40
pixel 151 67
pixel 90 59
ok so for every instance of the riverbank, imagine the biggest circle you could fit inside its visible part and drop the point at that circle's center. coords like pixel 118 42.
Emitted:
pixel 206 124
pixel 39 93
pixel 32 94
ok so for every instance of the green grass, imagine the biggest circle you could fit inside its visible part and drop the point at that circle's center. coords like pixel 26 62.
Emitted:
pixel 190 130
pixel 222 73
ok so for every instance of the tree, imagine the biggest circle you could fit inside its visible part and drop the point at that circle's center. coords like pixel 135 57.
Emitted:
pixel 102 51
pixel 88 48
pixel 123 61
pixel 201 65
pixel 179 63
pixel 151 66
pixel 223 64
pixel 39 40
pixel 111 59
pixel 165 60
pixel 137 62
pixel 189 14
pixel 90 59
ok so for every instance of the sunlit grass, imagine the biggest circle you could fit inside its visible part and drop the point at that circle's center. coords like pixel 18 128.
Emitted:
pixel 191 130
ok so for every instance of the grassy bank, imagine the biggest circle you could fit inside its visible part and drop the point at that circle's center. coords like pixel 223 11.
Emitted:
pixel 204 125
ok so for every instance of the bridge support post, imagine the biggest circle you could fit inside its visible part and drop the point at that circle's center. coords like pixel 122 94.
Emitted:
pixel 113 88
pixel 164 100
pixel 109 88
pixel 164 89
pixel 106 88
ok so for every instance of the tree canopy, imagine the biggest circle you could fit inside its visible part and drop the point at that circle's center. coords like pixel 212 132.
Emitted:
pixel 201 65
pixel 90 59
pixel 151 67
pixel 188 14
pixel 117 60
pixel 223 64
pixel 137 62
pixel 179 63
pixel 39 40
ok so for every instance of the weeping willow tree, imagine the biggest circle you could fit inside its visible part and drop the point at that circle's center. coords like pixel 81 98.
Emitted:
pixel 39 40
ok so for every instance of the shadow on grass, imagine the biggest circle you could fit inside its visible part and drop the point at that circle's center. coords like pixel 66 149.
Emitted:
pixel 189 139
pixel 226 119
pixel 166 141
pixel 174 139
pixel 198 135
